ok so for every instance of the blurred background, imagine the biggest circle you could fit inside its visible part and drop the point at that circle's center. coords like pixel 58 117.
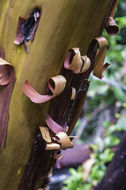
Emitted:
pixel 102 122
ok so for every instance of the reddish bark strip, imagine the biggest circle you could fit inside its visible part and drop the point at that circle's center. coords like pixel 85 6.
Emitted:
pixel 5 97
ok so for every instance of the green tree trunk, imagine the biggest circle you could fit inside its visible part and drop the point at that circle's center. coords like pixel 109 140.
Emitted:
pixel 24 163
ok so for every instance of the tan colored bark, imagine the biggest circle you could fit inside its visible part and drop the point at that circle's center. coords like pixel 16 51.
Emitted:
pixel 64 24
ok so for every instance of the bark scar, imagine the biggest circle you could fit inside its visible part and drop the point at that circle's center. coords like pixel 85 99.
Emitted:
pixel 27 27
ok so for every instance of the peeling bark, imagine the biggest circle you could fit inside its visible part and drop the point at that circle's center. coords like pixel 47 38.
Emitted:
pixel 64 24
pixel 7 80
pixel 5 97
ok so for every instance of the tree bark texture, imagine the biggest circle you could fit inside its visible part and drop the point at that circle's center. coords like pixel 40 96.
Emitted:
pixel 24 163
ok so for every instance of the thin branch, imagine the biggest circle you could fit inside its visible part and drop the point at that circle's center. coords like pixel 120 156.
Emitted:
pixel 111 82
pixel 84 122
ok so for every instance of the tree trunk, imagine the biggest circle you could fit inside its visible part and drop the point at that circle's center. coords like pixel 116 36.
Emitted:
pixel 115 177
pixel 25 163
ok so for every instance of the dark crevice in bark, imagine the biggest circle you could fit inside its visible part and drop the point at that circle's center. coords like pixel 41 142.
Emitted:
pixel 37 166
pixel 27 27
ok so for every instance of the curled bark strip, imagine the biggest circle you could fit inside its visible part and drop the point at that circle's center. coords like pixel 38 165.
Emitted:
pixel 56 86
pixel 111 26
pixel 7 80
pixel 99 66
pixel 86 63
pixel 64 140
pixel 61 137
pixel 75 62
pixel 6 72
pixel 45 134
pixel 61 141
pixel 53 126
pixel 52 146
